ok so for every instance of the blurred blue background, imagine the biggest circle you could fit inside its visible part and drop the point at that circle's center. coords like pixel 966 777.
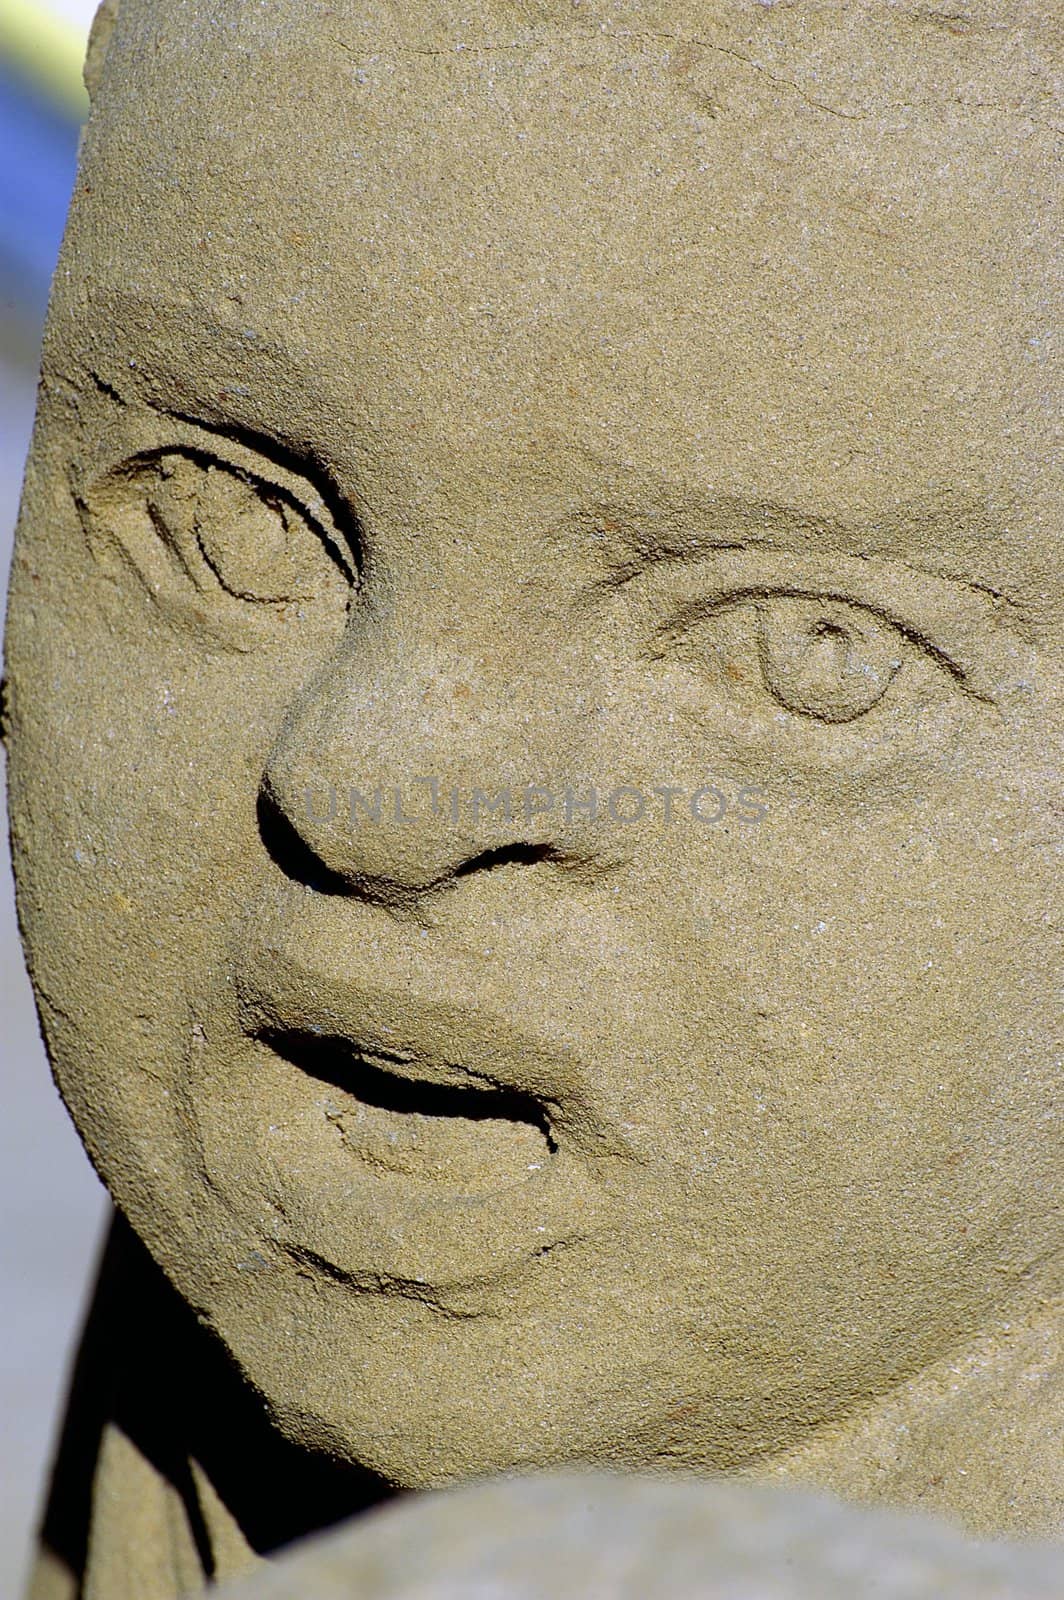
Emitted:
pixel 51 1205
pixel 39 143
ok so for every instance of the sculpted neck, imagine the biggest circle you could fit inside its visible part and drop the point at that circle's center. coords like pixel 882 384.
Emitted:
pixel 978 1437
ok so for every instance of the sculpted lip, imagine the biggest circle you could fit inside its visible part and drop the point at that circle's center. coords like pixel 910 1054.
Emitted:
pixel 463 1138
pixel 432 1040
pixel 402 1139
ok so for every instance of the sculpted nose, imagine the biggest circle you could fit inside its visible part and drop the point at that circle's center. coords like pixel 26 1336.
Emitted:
pixel 392 775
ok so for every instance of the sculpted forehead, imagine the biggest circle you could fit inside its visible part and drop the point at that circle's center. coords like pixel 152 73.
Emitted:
pixel 795 249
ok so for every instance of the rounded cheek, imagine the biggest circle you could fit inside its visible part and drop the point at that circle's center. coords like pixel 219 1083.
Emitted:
pixel 846 1115
pixel 856 1001
pixel 136 776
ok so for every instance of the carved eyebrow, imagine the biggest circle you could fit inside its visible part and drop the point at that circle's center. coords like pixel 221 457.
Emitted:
pixel 627 536
pixel 228 359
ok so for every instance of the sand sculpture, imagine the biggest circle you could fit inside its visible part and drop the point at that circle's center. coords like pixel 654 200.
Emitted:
pixel 534 698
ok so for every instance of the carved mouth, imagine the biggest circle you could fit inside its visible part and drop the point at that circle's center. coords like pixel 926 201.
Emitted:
pixel 469 1138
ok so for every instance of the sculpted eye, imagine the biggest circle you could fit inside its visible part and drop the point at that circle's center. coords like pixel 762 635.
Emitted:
pixel 825 659
pixel 832 663
pixel 220 545
pixel 818 657
pixel 252 536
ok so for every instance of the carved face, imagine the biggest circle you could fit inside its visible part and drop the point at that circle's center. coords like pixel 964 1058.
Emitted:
pixel 437 432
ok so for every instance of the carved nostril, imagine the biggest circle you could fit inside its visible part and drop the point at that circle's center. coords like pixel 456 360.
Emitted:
pixel 505 855
pixel 300 863
pixel 287 848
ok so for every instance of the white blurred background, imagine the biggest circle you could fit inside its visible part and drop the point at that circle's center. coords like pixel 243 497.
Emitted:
pixel 51 1205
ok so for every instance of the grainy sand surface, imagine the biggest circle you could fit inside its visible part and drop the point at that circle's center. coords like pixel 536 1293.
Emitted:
pixel 51 1204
